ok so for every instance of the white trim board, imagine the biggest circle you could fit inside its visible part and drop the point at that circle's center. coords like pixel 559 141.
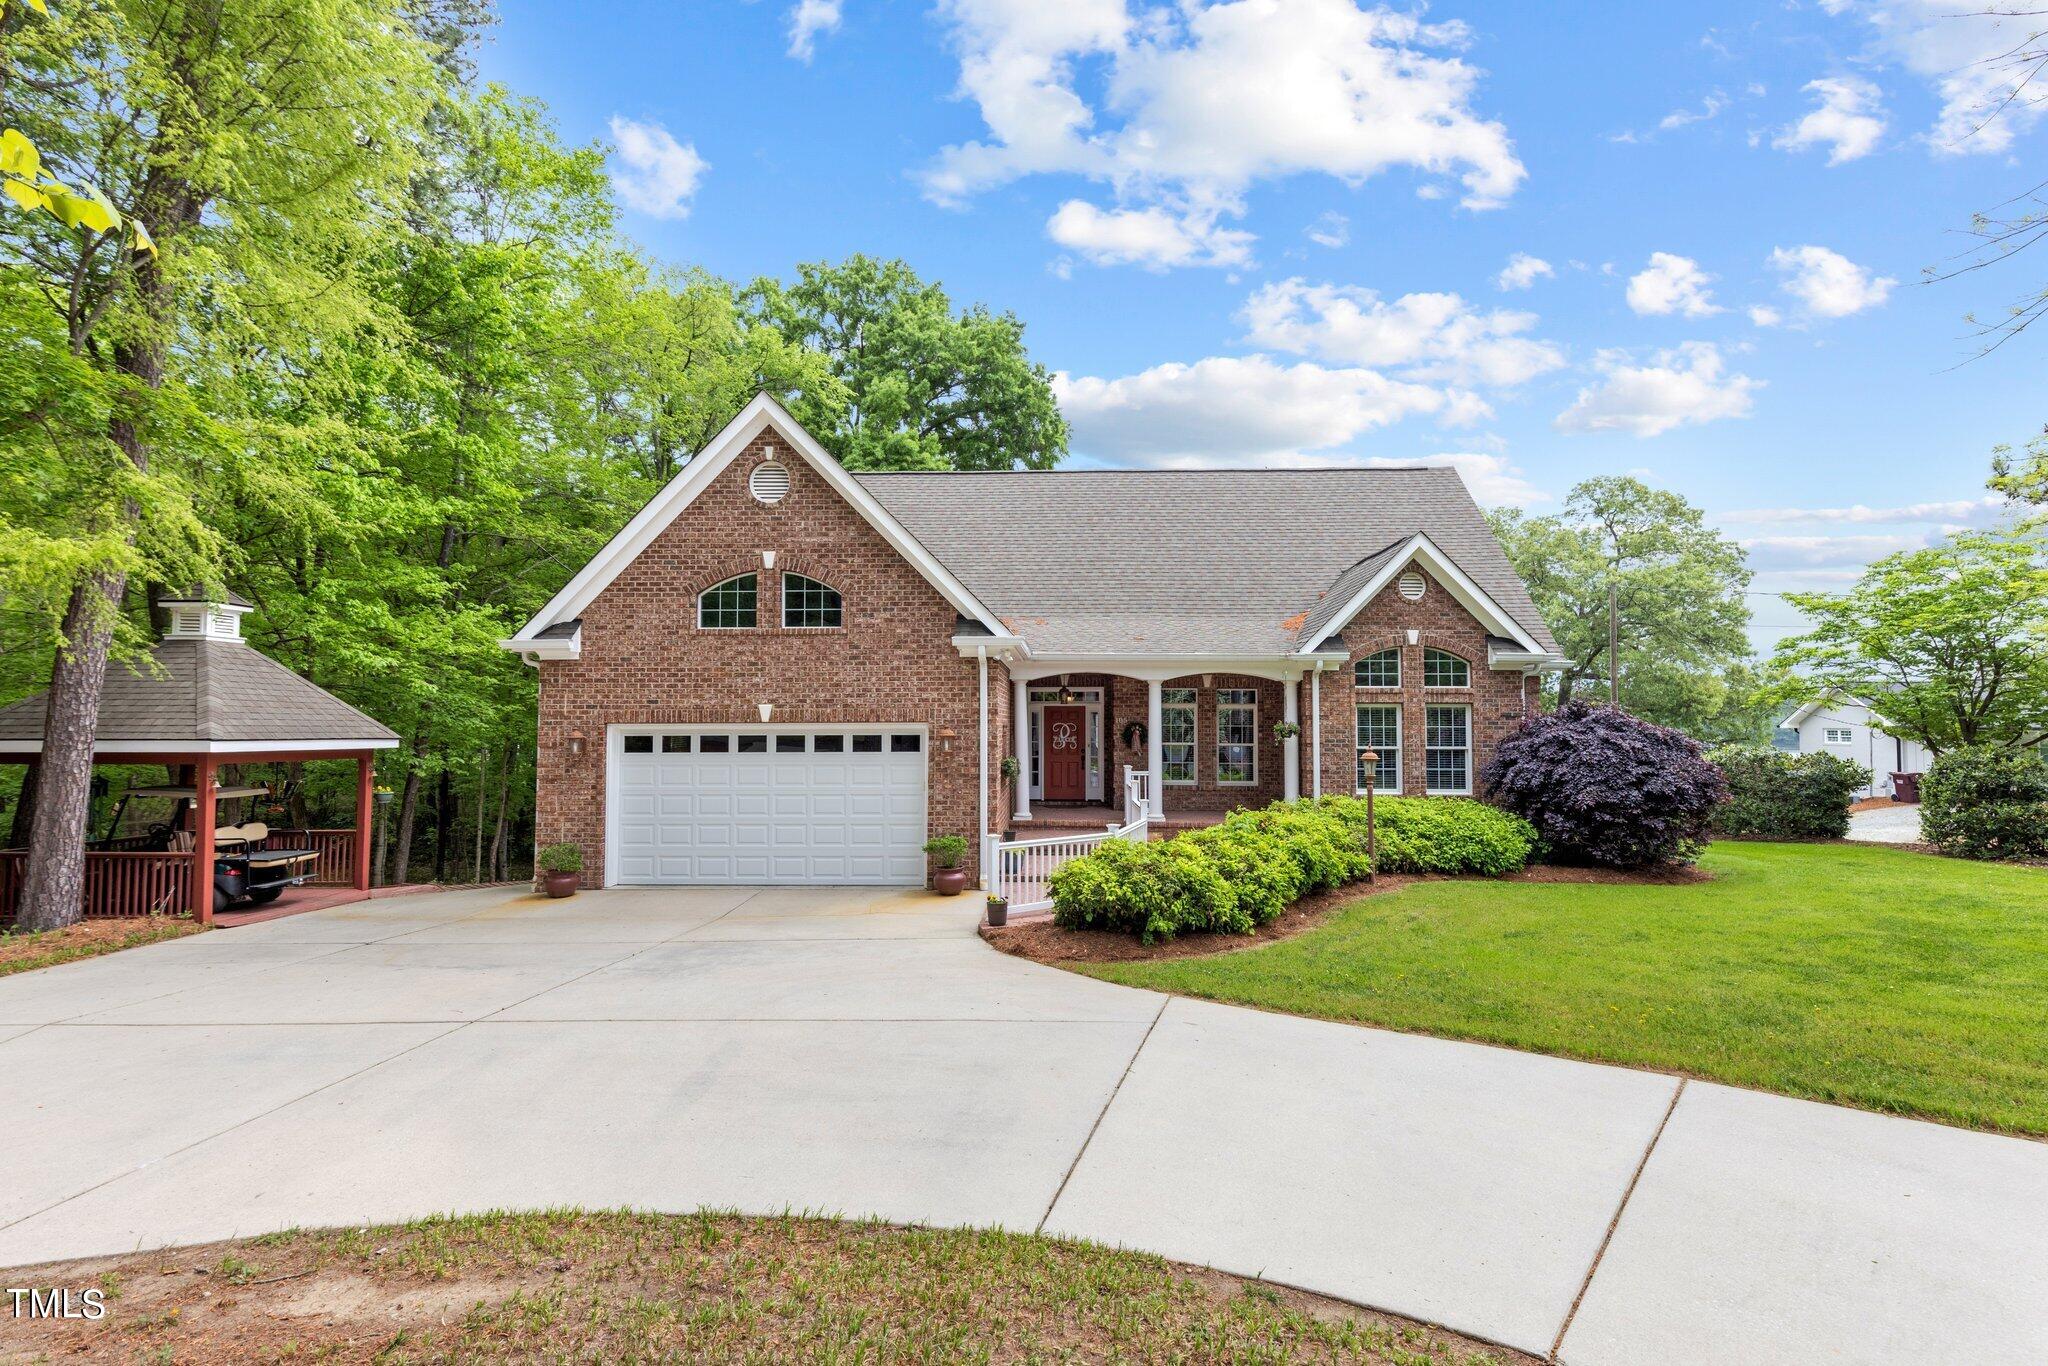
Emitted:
pixel 1474 599
pixel 204 746
pixel 675 496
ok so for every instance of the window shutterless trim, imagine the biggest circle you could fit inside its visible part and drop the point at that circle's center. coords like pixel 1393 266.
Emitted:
pixel 1358 747
pixel 1464 750
pixel 751 605
pixel 1224 709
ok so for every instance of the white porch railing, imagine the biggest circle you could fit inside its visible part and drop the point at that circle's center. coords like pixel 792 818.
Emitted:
pixel 1020 871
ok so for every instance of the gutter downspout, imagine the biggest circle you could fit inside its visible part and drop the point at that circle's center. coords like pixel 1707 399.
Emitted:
pixel 1315 731
pixel 981 757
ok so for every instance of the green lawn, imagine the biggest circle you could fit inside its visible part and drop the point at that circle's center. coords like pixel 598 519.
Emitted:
pixel 1848 973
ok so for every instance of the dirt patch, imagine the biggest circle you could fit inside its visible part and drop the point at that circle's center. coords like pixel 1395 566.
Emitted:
pixel 1041 941
pixel 88 939
pixel 1876 804
pixel 579 1286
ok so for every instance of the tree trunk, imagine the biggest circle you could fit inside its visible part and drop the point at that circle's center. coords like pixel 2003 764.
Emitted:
pixel 53 893
pixel 295 782
pixel 25 807
pixel 483 804
pixel 499 852
pixel 444 820
pixel 408 807
pixel 383 841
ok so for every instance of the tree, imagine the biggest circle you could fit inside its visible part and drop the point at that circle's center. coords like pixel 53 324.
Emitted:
pixel 1949 644
pixel 2023 479
pixel 254 140
pixel 923 388
pixel 1679 587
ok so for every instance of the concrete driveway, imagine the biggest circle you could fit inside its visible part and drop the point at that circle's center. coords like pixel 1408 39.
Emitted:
pixel 1886 825
pixel 864 1053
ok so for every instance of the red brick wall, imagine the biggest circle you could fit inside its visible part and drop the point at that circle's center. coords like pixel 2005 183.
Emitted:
pixel 1499 699
pixel 645 660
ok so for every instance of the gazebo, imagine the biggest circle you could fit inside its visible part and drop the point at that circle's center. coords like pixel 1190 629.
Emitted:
pixel 210 699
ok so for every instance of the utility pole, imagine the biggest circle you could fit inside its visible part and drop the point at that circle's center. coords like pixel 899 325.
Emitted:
pixel 1613 644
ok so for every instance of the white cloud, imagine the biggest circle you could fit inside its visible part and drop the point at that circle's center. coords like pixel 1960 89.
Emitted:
pixel 660 174
pixel 1763 315
pixel 1848 118
pixel 1198 102
pixel 1154 238
pixel 808 19
pixel 1949 514
pixel 1770 553
pixel 1829 284
pixel 1709 108
pixel 1430 336
pixel 1494 482
pixel 1229 408
pixel 1522 271
pixel 1331 229
pixel 1965 53
pixel 1671 284
pixel 1685 385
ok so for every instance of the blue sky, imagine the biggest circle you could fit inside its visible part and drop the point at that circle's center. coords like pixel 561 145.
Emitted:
pixel 1276 231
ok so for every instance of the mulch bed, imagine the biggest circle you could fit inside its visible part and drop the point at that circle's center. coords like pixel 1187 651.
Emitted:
pixel 88 939
pixel 1041 941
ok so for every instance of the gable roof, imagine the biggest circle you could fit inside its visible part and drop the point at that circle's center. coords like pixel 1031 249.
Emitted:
pixel 1227 562
pixel 542 636
pixel 207 694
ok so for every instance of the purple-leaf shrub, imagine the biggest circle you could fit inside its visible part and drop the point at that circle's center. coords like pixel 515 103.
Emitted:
pixel 1603 787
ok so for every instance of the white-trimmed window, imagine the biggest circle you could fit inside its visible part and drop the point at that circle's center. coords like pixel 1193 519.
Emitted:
pixel 1442 669
pixel 1838 735
pixel 1447 751
pixel 1237 736
pixel 729 606
pixel 1382 670
pixel 1379 730
pixel 808 603
pixel 1177 735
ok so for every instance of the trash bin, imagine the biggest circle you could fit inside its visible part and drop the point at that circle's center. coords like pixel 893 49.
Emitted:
pixel 1906 788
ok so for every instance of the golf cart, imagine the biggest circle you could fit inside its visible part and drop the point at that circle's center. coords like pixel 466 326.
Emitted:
pixel 245 871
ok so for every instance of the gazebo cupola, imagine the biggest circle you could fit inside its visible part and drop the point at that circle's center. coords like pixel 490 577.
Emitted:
pixel 199 615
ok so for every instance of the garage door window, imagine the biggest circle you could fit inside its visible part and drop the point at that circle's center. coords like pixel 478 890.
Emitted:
pixel 789 744
pixel 867 744
pixel 714 744
pixel 675 744
pixel 905 744
pixel 639 744
pixel 828 744
pixel 753 744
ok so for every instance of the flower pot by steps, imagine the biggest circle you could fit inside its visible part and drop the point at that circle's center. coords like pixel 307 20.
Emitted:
pixel 559 885
pixel 998 912
pixel 949 881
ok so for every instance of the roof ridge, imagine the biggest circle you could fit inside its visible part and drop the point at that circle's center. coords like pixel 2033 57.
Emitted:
pixel 1150 469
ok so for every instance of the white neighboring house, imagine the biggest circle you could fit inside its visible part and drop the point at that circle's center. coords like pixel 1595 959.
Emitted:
pixel 1850 730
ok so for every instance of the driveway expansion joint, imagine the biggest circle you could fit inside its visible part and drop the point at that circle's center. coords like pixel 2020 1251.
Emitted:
pixel 1123 1076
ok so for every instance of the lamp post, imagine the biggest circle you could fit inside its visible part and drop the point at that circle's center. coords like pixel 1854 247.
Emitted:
pixel 1368 766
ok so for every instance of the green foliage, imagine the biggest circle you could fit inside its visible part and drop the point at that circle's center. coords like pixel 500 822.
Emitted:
pixel 917 387
pixel 559 858
pixel 1257 864
pixel 1774 795
pixel 1683 615
pixel 947 849
pixel 1450 835
pixel 1154 889
pixel 1328 851
pixel 1984 803
pixel 1950 643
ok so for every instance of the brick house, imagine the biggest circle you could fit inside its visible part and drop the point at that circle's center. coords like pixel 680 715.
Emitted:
pixel 780 671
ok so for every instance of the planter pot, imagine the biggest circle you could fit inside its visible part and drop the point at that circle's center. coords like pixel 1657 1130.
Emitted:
pixel 561 884
pixel 998 914
pixel 949 881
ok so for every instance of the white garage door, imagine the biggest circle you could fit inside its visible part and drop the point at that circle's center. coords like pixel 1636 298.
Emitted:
pixel 760 804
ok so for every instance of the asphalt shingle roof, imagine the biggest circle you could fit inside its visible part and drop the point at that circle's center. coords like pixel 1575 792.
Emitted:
pixel 217 690
pixel 1189 561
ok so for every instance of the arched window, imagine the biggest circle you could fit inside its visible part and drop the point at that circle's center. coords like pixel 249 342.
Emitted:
pixel 730 605
pixel 1382 670
pixel 1442 669
pixel 806 602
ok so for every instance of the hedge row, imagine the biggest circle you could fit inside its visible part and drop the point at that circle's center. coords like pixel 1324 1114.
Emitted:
pixel 1774 795
pixel 1240 874
pixel 1986 804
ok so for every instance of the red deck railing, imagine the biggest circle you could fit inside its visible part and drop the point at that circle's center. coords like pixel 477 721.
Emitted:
pixel 337 850
pixel 117 883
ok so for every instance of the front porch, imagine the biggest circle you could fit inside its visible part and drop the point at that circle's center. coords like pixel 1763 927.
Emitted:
pixel 1096 817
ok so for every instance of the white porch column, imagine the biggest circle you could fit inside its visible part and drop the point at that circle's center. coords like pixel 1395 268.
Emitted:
pixel 1290 748
pixel 1155 749
pixel 1315 731
pixel 1020 741
pixel 981 757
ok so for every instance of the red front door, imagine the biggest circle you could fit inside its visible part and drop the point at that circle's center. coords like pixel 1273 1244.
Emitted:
pixel 1066 770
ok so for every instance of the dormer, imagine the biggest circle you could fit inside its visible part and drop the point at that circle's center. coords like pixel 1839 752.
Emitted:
pixel 197 614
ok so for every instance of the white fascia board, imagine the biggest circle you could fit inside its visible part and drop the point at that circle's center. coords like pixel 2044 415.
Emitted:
pixel 1286 666
pixel 204 746
pixel 553 647
pixel 997 646
pixel 1540 661
pixel 1474 599
pixel 695 477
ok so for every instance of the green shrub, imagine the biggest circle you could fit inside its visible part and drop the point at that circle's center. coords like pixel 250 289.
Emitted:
pixel 559 858
pixel 1328 852
pixel 947 850
pixel 1155 890
pixel 1441 834
pixel 1256 864
pixel 1781 796
pixel 1986 804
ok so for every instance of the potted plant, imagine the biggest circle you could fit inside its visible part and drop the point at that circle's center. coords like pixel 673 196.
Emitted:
pixel 561 868
pixel 1285 730
pixel 998 910
pixel 948 850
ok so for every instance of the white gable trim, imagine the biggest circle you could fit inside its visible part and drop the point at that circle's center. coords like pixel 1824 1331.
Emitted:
pixel 695 477
pixel 1419 549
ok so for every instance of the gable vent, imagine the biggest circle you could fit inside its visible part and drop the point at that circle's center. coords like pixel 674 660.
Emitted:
pixel 1412 584
pixel 769 483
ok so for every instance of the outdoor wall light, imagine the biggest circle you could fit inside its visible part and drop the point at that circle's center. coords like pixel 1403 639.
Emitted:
pixel 946 734
pixel 575 744
pixel 1066 693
